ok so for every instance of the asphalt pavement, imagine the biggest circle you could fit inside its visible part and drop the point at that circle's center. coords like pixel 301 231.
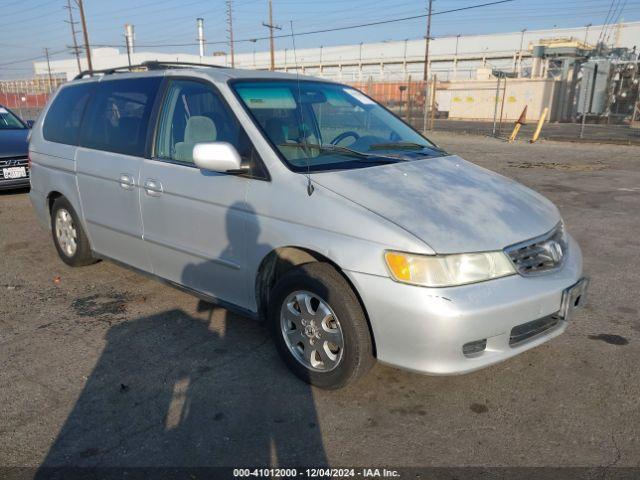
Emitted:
pixel 103 367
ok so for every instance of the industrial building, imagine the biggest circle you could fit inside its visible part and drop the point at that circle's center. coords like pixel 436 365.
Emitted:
pixel 546 69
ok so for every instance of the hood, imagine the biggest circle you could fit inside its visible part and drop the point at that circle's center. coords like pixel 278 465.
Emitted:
pixel 452 205
pixel 13 143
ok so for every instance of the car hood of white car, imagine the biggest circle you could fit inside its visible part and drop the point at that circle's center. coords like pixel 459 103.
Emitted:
pixel 450 204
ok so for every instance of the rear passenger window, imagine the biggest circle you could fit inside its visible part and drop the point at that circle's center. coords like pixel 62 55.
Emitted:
pixel 118 118
pixel 62 123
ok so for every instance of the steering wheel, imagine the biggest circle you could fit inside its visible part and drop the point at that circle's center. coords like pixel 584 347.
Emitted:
pixel 344 135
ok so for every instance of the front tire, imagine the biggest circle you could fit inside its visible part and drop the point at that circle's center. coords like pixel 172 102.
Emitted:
pixel 69 237
pixel 319 327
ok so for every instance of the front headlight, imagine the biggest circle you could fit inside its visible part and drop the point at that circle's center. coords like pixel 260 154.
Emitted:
pixel 447 270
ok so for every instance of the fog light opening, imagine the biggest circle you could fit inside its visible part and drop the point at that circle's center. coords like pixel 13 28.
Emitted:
pixel 474 348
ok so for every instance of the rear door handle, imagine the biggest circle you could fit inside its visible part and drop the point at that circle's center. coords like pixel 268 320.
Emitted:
pixel 126 181
pixel 152 187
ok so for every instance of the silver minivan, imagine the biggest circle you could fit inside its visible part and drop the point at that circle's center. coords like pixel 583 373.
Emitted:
pixel 305 203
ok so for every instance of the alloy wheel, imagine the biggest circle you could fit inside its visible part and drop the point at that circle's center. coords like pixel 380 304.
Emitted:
pixel 312 331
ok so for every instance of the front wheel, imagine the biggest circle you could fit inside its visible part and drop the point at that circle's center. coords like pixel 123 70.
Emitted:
pixel 319 327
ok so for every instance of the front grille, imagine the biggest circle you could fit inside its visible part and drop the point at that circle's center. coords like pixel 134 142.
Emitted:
pixel 523 332
pixel 14 162
pixel 539 254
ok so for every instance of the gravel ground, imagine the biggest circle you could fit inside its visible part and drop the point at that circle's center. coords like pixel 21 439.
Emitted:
pixel 104 367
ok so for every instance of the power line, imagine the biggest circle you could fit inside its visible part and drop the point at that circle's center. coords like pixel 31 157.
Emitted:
pixel 33 7
pixel 622 5
pixel 30 59
pixel 606 20
pixel 31 17
pixel 325 30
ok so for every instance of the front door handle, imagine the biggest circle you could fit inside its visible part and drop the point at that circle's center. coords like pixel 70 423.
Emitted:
pixel 126 181
pixel 152 187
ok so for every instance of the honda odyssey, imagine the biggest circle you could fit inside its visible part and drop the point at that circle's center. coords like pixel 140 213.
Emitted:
pixel 305 203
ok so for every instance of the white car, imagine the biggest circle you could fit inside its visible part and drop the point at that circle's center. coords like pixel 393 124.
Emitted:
pixel 305 203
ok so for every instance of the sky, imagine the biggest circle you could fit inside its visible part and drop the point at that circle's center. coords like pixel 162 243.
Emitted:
pixel 28 26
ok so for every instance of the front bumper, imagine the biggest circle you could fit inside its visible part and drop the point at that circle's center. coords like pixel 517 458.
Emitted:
pixel 14 183
pixel 424 329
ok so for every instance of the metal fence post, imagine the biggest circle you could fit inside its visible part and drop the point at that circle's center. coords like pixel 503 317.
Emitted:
pixel 434 86
pixel 584 113
pixel 425 116
pixel 495 107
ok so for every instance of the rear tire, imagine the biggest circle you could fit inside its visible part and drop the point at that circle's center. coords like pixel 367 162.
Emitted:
pixel 69 237
pixel 319 327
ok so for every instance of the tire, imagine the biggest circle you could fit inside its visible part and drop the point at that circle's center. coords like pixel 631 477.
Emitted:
pixel 328 366
pixel 75 251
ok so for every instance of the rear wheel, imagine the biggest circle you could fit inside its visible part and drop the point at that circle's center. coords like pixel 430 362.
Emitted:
pixel 68 236
pixel 319 327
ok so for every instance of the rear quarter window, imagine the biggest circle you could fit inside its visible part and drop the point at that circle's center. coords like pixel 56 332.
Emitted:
pixel 63 120
pixel 118 118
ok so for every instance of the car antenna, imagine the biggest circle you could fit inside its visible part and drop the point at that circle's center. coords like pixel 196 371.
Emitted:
pixel 302 125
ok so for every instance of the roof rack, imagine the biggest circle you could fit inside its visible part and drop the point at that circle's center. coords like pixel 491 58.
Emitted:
pixel 144 66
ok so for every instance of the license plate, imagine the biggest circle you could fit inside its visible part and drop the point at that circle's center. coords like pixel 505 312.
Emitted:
pixel 573 298
pixel 14 172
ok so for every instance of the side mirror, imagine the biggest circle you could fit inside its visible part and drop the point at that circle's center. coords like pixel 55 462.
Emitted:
pixel 29 123
pixel 217 157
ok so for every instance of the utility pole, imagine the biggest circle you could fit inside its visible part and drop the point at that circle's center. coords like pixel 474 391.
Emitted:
pixel 46 54
pixel 426 48
pixel 76 50
pixel 426 70
pixel 230 31
pixel 271 27
pixel 86 36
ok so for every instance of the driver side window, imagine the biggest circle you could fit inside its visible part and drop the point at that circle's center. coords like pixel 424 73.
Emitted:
pixel 193 112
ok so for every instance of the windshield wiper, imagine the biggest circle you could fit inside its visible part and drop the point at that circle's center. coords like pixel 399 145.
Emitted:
pixel 394 145
pixel 405 146
pixel 337 148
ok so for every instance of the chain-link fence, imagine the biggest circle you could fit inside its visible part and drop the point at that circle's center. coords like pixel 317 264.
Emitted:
pixel 492 108
pixel 28 97
pixel 475 107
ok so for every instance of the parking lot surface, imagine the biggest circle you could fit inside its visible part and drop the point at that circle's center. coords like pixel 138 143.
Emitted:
pixel 103 367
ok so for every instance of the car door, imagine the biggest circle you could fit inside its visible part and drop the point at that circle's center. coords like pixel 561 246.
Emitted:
pixel 194 220
pixel 109 160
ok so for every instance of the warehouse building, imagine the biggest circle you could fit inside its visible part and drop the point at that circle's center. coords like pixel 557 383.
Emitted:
pixel 544 69
pixel 452 57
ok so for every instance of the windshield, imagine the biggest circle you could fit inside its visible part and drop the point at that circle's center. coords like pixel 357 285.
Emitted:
pixel 8 121
pixel 323 126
